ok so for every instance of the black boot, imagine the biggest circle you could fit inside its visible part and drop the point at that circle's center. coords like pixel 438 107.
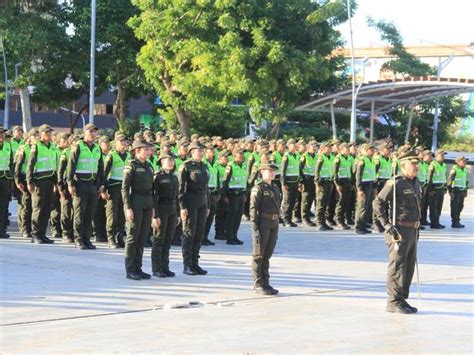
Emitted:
pixel 188 270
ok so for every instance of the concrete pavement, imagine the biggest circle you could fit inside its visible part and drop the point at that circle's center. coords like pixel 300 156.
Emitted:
pixel 56 299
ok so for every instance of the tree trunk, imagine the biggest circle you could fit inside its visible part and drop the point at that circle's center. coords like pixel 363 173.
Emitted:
pixel 273 133
pixel 120 105
pixel 25 108
pixel 184 122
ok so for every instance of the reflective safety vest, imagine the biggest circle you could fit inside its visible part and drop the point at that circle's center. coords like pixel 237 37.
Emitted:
pixel 247 155
pixel 385 167
pixel 422 172
pixel 46 163
pixel 439 174
pixel 26 150
pixel 153 162
pixel 212 175
pixel 277 159
pixel 369 170
pixel 256 157
pixel 327 169
pixel 88 162
pixel 5 156
pixel 177 163
pixel 460 178
pixel 345 167
pixel 293 165
pixel 309 164
pixel 220 171
pixel 238 180
pixel 15 145
pixel 118 164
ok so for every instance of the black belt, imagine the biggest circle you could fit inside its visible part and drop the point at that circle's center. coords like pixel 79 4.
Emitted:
pixel 237 192
pixel 271 216
pixel 215 192
pixel 141 192
pixel 197 191
pixel 167 200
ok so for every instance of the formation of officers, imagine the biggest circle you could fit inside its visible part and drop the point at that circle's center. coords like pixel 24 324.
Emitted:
pixel 160 190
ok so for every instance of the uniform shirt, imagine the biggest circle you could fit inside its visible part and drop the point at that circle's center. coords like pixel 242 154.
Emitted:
pixel 137 179
pixel 108 166
pixel 19 160
pixel 30 169
pixel 165 190
pixel 228 176
pixel 285 161
pixel 72 163
pixel 193 178
pixel 264 198
pixel 408 201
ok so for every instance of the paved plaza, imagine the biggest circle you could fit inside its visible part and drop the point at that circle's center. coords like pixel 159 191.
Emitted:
pixel 56 299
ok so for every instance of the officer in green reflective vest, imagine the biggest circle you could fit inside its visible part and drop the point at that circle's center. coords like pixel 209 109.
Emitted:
pixel 114 164
pixel 6 177
pixel 24 203
pixel 324 177
pixel 308 193
pixel 41 178
pixel 219 225
pixel 458 184
pixel 342 181
pixel 179 160
pixel 277 159
pixel 234 190
pixel 383 171
pixel 437 187
pixel 290 177
pixel 426 156
pixel 85 178
pixel 211 162
pixel 17 139
pixel 66 198
pixel 365 183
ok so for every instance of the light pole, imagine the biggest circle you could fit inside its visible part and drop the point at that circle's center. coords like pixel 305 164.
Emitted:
pixel 92 68
pixel 353 115
pixel 441 65
pixel 6 115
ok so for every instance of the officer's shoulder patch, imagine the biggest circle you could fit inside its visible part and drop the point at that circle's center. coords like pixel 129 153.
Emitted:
pixel 303 158
pixel 389 182
pixel 228 168
pixel 336 159
pixel 127 168
pixel 360 162
pixel 181 167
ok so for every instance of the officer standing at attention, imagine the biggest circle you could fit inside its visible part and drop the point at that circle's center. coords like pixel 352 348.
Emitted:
pixel 214 184
pixel 342 181
pixel 436 180
pixel 115 163
pixel 289 182
pixel 264 215
pixel 324 185
pixel 425 160
pixel 137 187
pixel 457 186
pixel 193 199
pixel 41 178
pixel 85 178
pixel 165 190
pixel 308 193
pixel 365 185
pixel 234 190
pixel 401 234
pixel 6 177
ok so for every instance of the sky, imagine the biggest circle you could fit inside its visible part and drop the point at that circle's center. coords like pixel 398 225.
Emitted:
pixel 420 22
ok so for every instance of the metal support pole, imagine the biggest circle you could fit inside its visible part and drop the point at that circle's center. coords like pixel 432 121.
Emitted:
pixel 92 67
pixel 372 114
pixel 6 115
pixel 353 109
pixel 410 120
pixel 333 121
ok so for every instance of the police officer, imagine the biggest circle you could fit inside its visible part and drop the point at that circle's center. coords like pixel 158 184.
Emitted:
pixel 85 179
pixel 308 193
pixel 55 218
pixel 193 199
pixel 365 183
pixel 426 156
pixel 383 172
pixel 289 182
pixel 137 186
pixel 264 215
pixel 342 181
pixel 214 190
pixel 401 234
pixel 115 163
pixel 6 177
pixel 436 180
pixel 221 205
pixel 324 185
pixel 41 178
pixel 457 186
pixel 165 190
pixel 234 190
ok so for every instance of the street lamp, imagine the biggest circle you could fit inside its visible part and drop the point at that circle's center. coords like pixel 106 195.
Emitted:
pixel 353 116
pixel 6 115
pixel 92 67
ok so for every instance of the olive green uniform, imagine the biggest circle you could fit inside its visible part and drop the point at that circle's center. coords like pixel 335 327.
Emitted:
pixel 137 186
pixel 342 179
pixel 437 186
pixel 165 204
pixel 193 196
pixel 324 181
pixel 219 224
pixel 365 182
pixel 55 217
pixel 41 173
pixel 457 184
pixel 402 255
pixel 383 171
pixel 114 165
pixel 422 178
pixel 86 179
pixel 24 202
pixel 308 194
pixel 66 198
pixel 6 178
pixel 214 190
pixel 264 215
pixel 234 188
pixel 289 182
